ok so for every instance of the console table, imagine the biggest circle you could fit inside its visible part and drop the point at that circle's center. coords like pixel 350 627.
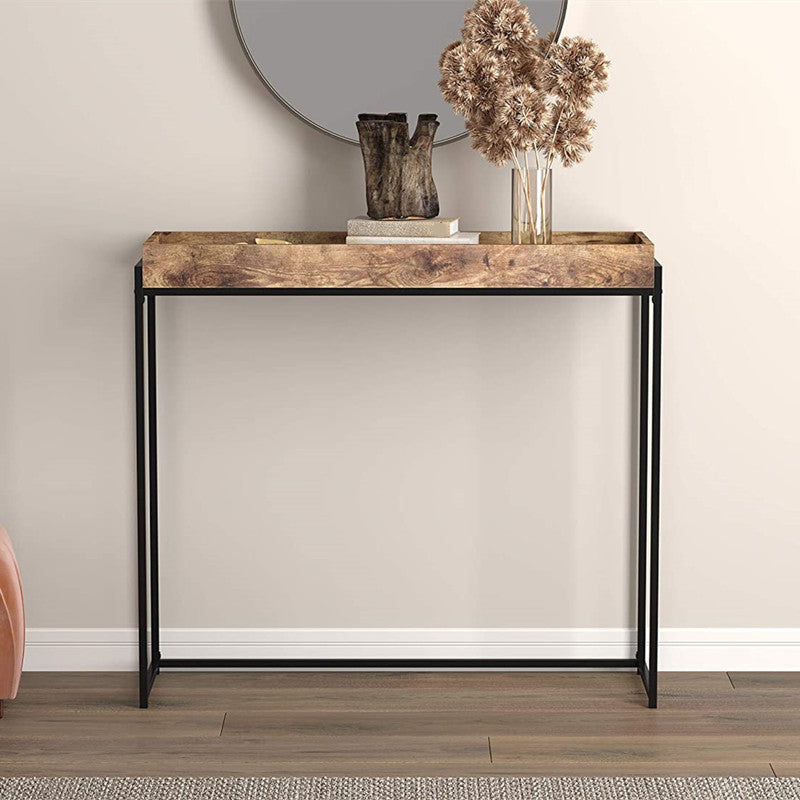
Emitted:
pixel 320 263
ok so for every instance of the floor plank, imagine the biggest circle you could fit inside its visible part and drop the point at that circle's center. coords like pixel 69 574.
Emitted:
pixel 55 723
pixel 786 769
pixel 644 768
pixel 633 724
pixel 771 681
pixel 529 751
pixel 279 755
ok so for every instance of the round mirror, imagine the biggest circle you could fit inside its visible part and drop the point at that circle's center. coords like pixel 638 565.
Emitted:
pixel 330 60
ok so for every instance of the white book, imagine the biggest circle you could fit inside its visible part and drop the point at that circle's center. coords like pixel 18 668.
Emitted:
pixel 437 226
pixel 464 237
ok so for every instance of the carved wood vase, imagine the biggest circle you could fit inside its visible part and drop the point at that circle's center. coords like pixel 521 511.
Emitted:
pixel 398 169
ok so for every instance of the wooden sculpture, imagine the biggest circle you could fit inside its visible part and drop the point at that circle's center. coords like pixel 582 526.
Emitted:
pixel 12 622
pixel 398 170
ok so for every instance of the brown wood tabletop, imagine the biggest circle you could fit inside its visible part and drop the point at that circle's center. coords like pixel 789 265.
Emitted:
pixel 322 260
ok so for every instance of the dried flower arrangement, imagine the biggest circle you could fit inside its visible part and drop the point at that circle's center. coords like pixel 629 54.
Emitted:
pixel 521 92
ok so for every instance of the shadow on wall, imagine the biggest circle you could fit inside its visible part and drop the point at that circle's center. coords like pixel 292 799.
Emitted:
pixel 333 187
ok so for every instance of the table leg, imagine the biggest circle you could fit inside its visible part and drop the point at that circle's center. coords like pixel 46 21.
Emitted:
pixel 655 487
pixel 152 412
pixel 644 426
pixel 141 489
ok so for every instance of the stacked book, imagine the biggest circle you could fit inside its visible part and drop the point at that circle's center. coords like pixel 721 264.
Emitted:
pixel 439 230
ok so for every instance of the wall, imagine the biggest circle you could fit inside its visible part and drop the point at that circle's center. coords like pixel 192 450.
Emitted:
pixel 452 463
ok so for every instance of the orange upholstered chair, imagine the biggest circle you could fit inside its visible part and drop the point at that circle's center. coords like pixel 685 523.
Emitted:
pixel 12 622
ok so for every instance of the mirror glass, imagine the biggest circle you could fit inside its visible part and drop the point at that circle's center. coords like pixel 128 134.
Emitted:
pixel 330 60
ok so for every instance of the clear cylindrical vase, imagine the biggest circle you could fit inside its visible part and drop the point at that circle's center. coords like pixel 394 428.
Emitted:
pixel 531 206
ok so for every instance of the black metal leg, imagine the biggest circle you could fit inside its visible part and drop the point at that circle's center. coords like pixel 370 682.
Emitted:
pixel 649 491
pixel 152 412
pixel 141 499
pixel 644 407
pixel 655 493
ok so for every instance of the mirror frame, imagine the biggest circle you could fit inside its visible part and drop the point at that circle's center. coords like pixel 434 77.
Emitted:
pixel 287 105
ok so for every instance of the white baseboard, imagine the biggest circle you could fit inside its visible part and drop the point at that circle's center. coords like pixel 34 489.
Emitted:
pixel 681 649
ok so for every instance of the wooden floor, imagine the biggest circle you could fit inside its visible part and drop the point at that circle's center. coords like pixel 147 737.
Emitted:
pixel 336 723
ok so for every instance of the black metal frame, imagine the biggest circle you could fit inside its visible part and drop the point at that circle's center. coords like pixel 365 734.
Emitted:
pixel 645 660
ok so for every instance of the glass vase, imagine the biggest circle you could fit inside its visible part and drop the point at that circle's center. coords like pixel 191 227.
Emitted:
pixel 531 206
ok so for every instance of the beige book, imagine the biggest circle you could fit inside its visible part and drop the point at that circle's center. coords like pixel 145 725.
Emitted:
pixel 465 237
pixel 438 226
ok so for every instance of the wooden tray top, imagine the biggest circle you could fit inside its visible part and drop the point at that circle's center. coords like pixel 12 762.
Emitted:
pixel 318 259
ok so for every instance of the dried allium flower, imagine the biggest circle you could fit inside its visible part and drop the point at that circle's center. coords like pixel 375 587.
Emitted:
pixel 491 140
pixel 447 56
pixel 521 112
pixel 534 70
pixel 502 27
pixel 572 137
pixel 471 78
pixel 575 70
pixel 453 81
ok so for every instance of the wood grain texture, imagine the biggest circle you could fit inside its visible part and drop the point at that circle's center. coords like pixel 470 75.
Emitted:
pixel 388 723
pixel 786 770
pixel 617 749
pixel 767 681
pixel 580 724
pixel 206 260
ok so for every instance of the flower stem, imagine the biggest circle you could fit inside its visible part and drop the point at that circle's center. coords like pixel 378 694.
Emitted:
pixel 543 208
pixel 524 177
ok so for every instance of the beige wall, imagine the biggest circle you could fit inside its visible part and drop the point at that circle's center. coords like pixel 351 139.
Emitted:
pixel 450 462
